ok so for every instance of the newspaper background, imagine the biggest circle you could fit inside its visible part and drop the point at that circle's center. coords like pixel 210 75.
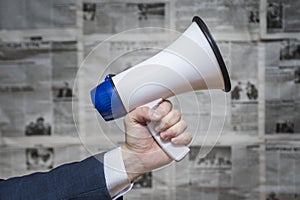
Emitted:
pixel 43 43
pixel 280 19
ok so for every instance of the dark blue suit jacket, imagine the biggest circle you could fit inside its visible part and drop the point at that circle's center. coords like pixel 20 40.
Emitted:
pixel 78 180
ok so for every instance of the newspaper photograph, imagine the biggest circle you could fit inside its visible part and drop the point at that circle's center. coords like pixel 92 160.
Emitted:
pixel 280 18
pixel 282 166
pixel 18 161
pixel 39 158
pixel 31 14
pixel 290 50
pixel 109 18
pixel 221 174
pixel 224 18
pixel 282 90
pixel 282 117
pixel 38 127
pixel 244 93
pixel 284 53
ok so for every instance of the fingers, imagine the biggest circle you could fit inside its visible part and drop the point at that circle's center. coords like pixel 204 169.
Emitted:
pixel 176 134
pixel 144 114
pixel 164 108
pixel 174 130
pixel 168 121
pixel 170 126
pixel 183 139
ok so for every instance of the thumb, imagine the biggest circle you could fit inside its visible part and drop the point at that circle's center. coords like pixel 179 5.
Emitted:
pixel 142 115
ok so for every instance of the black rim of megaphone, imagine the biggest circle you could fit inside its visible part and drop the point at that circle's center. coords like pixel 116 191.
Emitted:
pixel 211 41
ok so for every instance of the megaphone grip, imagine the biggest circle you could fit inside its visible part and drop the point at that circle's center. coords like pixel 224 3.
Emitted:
pixel 176 152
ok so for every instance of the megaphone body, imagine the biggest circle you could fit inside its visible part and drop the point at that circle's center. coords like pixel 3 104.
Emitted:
pixel 192 62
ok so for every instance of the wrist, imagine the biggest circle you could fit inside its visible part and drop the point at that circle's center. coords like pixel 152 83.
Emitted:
pixel 139 162
pixel 133 163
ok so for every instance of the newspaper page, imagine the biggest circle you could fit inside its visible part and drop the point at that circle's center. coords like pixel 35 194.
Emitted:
pixel 229 20
pixel 282 87
pixel 244 93
pixel 280 19
pixel 36 87
pixel 64 69
pixel 18 161
pixel 108 17
pixel 37 73
pixel 282 167
pixel 152 185
pixel 25 88
pixel 220 174
pixel 35 14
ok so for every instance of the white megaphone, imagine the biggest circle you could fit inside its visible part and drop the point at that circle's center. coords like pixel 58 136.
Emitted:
pixel 192 62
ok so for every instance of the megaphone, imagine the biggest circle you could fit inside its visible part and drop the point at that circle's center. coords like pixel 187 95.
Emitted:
pixel 192 62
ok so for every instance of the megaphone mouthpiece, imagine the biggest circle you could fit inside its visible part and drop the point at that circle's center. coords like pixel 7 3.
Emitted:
pixel 105 97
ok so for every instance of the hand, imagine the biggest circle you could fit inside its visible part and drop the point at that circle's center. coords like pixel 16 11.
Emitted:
pixel 140 152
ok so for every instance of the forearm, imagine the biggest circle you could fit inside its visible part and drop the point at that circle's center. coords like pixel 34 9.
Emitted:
pixel 83 179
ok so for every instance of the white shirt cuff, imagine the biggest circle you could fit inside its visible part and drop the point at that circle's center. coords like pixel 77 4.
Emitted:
pixel 115 173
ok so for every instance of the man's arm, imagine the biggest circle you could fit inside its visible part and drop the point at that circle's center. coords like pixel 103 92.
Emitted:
pixel 90 178
pixel 79 180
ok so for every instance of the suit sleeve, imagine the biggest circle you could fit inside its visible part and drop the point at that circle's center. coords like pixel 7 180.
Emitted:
pixel 78 180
